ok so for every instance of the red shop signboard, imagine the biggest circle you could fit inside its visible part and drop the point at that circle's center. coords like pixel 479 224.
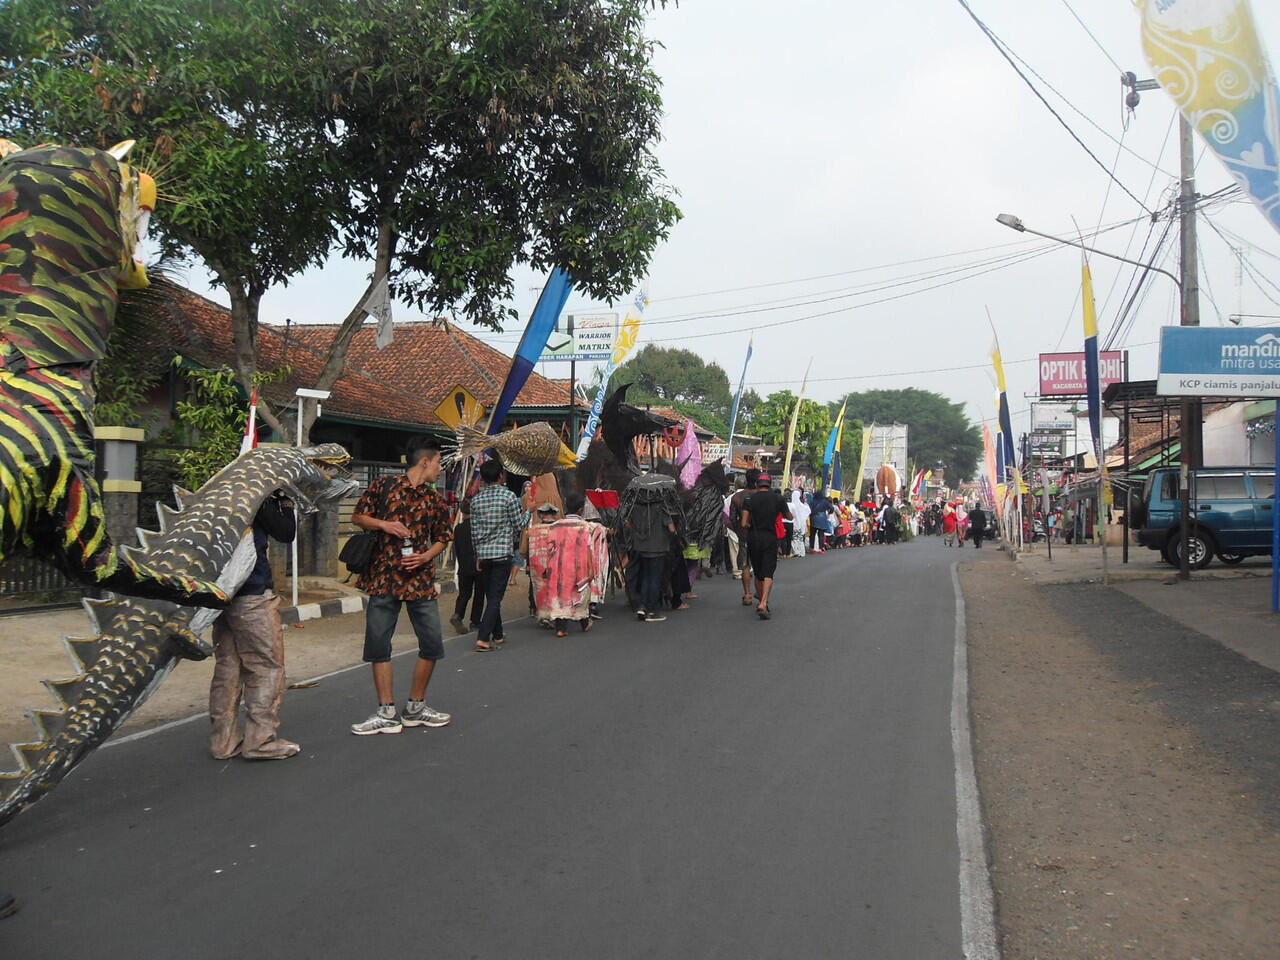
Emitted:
pixel 1062 374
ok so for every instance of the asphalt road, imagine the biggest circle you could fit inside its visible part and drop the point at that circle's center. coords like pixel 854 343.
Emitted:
pixel 712 786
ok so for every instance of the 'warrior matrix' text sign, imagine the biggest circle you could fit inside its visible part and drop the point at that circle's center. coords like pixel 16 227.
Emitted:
pixel 1218 362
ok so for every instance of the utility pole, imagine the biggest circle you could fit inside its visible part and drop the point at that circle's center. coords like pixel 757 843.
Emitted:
pixel 1191 425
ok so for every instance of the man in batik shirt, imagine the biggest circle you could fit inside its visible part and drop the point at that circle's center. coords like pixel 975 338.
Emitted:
pixel 412 523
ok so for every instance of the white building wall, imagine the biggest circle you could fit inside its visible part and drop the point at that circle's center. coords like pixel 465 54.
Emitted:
pixel 1225 443
pixel 1079 441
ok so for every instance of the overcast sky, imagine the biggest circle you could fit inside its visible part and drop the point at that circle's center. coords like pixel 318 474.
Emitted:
pixel 823 140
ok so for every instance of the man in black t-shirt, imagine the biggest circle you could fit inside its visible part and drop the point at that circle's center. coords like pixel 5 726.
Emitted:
pixel 760 513
pixel 735 517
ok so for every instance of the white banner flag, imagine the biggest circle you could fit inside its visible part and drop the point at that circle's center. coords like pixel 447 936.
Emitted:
pixel 378 306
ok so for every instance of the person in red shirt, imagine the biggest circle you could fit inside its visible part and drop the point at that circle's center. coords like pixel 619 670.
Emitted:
pixel 949 523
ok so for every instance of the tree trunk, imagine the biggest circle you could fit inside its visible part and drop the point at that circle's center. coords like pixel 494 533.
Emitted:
pixel 337 358
pixel 244 328
pixel 245 300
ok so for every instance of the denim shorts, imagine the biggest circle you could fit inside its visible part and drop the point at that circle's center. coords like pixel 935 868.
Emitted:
pixel 380 619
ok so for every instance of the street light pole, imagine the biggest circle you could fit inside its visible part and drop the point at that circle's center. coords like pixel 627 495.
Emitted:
pixel 1189 302
pixel 303 394
pixel 1014 223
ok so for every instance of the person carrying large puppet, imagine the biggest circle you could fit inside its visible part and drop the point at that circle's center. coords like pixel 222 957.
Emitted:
pixel 71 219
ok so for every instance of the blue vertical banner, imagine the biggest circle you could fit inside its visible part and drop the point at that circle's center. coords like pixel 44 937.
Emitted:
pixel 832 451
pixel 532 342
pixel 737 399
pixel 1093 383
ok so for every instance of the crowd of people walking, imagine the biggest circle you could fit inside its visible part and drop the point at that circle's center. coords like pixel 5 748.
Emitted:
pixel 652 543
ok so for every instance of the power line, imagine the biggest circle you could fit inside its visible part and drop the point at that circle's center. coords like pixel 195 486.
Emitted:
pixel 1101 213
pixel 856 306
pixel 842 273
pixel 1241 240
pixel 766 306
pixel 1223 233
pixel 1000 46
pixel 911 373
pixel 1096 41
pixel 1135 277
pixel 1208 289
pixel 1136 287
pixel 1168 130
pixel 1028 252
pixel 1086 118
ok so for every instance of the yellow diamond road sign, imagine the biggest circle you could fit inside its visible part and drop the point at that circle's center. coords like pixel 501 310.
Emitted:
pixel 459 406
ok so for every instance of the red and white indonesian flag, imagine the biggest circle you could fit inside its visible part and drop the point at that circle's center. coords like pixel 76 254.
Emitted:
pixel 250 439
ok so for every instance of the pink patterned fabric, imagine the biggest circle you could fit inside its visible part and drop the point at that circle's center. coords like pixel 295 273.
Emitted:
pixel 562 565
pixel 690 455
pixel 599 535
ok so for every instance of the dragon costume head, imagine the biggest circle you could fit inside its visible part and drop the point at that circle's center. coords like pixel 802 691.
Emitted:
pixel 71 222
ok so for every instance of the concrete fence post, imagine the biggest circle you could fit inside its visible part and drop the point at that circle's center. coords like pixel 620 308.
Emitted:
pixel 117 449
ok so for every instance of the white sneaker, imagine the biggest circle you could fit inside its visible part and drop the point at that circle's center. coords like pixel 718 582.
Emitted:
pixel 384 720
pixel 426 717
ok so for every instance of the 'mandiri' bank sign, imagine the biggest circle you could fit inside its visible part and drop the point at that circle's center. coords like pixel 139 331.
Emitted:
pixel 1219 362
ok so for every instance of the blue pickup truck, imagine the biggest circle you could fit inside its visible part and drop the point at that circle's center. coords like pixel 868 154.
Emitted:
pixel 1231 514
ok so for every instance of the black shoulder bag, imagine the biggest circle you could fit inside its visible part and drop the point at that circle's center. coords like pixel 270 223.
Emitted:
pixel 357 552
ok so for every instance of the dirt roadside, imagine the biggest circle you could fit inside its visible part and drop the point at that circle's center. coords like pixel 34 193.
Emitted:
pixel 1129 768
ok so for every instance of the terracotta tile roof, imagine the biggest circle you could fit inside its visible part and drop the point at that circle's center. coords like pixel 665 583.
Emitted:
pixel 399 385
pixel 429 359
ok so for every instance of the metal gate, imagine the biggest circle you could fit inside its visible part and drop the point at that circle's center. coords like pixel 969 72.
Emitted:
pixel 26 582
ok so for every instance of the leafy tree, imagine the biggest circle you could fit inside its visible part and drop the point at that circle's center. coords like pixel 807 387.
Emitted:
pixel 219 109
pixel 939 429
pixel 813 424
pixel 122 384
pixel 674 375
pixel 747 410
pixel 449 139
pixel 212 417
pixel 850 453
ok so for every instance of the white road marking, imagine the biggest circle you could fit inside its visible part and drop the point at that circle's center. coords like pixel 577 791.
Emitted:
pixel 977 902
pixel 204 714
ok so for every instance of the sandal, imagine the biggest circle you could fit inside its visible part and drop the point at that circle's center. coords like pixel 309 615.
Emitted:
pixel 499 641
pixel 763 613
pixel 747 601
pixel 587 625
pixel 484 646
pixel 562 633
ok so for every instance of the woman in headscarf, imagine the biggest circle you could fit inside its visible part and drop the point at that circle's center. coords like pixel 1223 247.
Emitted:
pixel 800 522
pixel 820 512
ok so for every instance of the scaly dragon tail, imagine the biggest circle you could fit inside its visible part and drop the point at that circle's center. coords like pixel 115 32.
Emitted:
pixel 136 642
